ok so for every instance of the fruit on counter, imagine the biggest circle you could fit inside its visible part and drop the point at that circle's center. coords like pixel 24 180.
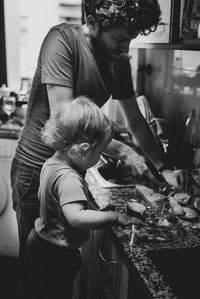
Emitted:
pixel 177 209
pixel 186 213
pixel 181 197
pixel 136 207
pixel 190 213
pixel 164 222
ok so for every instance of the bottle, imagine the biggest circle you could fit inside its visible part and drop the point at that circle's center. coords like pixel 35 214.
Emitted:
pixel 191 129
pixel 198 132
pixel 196 159
pixel 198 31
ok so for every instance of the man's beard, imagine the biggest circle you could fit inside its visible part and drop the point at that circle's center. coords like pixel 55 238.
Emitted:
pixel 100 49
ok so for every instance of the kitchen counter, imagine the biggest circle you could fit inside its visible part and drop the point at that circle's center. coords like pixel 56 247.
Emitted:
pixel 138 253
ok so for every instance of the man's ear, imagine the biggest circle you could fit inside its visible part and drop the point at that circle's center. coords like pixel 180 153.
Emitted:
pixel 92 24
pixel 90 20
pixel 83 147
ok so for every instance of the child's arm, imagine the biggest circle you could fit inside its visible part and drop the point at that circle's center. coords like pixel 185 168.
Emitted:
pixel 79 217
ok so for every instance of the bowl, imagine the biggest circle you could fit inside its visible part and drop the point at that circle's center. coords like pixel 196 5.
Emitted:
pixel 157 233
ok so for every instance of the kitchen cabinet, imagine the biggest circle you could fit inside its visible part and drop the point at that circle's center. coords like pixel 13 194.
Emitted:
pixel 110 274
pixel 106 272
pixel 170 33
pixel 189 20
pixel 162 34
pixel 105 275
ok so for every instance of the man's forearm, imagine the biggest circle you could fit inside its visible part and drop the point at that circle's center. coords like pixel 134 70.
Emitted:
pixel 147 143
pixel 141 132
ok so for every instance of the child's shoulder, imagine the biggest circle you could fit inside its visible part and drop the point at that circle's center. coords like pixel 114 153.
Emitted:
pixel 60 168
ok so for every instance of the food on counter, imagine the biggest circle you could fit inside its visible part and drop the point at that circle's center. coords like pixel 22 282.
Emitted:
pixel 190 213
pixel 176 208
pixel 164 222
pixel 181 197
pixel 158 219
pixel 136 207
pixel 186 213
pixel 166 214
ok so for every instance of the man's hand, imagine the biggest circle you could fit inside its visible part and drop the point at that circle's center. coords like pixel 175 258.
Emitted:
pixel 128 170
pixel 180 179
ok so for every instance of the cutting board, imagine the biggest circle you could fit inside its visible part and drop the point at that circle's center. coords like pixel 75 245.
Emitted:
pixel 149 195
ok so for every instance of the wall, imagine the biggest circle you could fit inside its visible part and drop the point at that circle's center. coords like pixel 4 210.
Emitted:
pixel 36 19
pixel 12 25
pixel 3 72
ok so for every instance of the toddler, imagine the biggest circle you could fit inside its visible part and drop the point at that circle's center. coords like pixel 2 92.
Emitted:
pixel 78 132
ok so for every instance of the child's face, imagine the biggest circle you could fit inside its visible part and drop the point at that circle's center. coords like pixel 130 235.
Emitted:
pixel 93 155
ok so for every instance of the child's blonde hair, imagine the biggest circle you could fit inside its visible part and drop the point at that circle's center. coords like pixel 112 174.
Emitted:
pixel 76 122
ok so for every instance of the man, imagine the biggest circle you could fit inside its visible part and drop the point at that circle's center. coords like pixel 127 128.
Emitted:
pixel 88 60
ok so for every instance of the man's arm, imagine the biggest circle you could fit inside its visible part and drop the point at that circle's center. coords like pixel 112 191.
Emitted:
pixel 57 95
pixel 132 162
pixel 139 128
pixel 141 131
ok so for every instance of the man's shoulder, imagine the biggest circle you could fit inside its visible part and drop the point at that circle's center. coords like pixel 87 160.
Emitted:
pixel 67 32
pixel 65 27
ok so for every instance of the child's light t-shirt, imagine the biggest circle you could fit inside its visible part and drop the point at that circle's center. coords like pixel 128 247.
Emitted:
pixel 59 185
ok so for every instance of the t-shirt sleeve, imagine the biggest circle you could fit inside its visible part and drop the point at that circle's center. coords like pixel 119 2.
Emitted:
pixel 70 189
pixel 123 84
pixel 57 58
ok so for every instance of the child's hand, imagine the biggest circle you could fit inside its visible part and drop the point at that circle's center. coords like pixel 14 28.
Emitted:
pixel 125 220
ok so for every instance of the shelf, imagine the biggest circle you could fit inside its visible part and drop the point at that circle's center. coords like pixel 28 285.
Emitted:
pixel 191 42
pixel 177 46
pixel 174 42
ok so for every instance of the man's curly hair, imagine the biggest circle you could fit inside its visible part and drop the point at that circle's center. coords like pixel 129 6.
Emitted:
pixel 137 15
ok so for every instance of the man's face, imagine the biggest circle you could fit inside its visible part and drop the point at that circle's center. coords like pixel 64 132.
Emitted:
pixel 113 43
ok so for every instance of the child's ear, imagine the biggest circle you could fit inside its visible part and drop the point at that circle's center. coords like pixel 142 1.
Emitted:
pixel 83 147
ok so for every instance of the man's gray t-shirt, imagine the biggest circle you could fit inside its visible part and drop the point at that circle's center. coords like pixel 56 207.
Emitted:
pixel 66 59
